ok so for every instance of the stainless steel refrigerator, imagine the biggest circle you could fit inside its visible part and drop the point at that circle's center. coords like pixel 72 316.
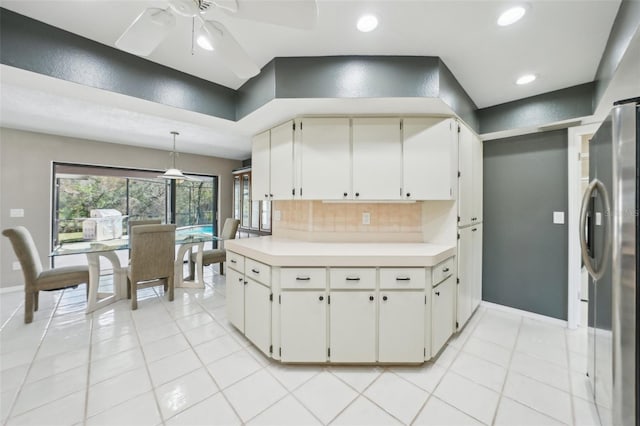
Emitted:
pixel 609 243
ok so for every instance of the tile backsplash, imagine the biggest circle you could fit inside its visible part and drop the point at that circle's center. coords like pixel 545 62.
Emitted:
pixel 343 221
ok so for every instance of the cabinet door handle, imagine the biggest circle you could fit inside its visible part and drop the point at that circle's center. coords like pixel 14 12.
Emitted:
pixel 246 282
pixel 357 194
pixel 408 194
pixel 321 298
pixel 353 278
pixel 233 261
pixel 371 298
pixel 255 271
pixel 271 195
pixel 266 195
pixel 445 270
pixel 437 293
pixel 384 298
pixel 403 279
pixel 303 278
pixel 474 229
pixel 344 194
pixel 240 279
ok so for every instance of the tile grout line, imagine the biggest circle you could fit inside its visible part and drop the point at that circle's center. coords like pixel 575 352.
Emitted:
pixel 573 408
pixel 85 417
pixel 506 377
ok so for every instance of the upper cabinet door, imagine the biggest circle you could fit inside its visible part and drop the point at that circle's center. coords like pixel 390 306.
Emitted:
pixel 429 158
pixel 465 182
pixel 260 166
pixel 477 179
pixel 377 159
pixel 282 162
pixel 326 159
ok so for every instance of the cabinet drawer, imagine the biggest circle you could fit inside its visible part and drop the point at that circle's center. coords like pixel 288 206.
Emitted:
pixel 258 271
pixel 303 278
pixel 235 261
pixel 352 278
pixel 442 270
pixel 397 278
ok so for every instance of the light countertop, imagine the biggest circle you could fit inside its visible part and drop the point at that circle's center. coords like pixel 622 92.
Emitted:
pixel 285 252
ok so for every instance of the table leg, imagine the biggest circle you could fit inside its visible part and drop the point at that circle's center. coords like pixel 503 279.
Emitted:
pixel 96 299
pixel 198 281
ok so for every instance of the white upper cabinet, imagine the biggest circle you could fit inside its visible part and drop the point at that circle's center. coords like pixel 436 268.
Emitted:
pixel 429 158
pixel 377 159
pixel 260 166
pixel 325 159
pixel 282 161
pixel 470 182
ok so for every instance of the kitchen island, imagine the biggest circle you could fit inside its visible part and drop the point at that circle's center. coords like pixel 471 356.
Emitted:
pixel 319 302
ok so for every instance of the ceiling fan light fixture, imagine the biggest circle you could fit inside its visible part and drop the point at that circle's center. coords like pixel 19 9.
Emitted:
pixel 367 23
pixel 511 16
pixel 187 8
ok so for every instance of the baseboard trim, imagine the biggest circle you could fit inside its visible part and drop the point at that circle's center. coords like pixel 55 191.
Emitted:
pixel 11 289
pixel 525 314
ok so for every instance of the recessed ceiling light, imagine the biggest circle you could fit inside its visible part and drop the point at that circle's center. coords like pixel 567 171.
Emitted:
pixel 367 23
pixel 526 79
pixel 511 16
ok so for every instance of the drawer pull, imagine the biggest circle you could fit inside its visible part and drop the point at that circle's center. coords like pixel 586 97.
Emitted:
pixel 403 279
pixel 344 194
pixel 233 261
pixel 445 270
pixel 353 278
pixel 303 278
pixel 255 271
pixel 384 298
pixel 240 279
pixel 321 298
pixel 437 293
pixel 474 229
pixel 371 298
pixel 246 282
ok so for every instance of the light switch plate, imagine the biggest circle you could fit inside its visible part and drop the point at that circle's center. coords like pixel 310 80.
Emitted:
pixel 558 217
pixel 366 218
pixel 16 213
pixel 598 219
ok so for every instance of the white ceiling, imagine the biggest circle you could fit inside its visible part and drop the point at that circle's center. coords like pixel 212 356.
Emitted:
pixel 560 41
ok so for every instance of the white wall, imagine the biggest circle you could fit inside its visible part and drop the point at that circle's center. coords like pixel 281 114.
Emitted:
pixel 25 180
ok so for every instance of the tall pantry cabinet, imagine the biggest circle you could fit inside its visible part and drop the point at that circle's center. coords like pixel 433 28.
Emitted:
pixel 469 282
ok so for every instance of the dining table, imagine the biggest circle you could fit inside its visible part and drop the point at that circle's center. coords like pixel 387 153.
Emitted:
pixel 187 239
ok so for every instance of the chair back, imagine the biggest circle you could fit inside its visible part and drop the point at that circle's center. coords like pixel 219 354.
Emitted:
pixel 153 251
pixel 26 252
pixel 133 223
pixel 229 229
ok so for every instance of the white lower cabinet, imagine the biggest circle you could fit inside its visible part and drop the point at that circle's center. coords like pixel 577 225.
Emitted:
pixel 303 326
pixel 352 326
pixel 235 298
pixel 401 326
pixel 257 316
pixel 442 314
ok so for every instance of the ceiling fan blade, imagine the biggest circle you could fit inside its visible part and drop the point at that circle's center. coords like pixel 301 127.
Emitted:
pixel 302 14
pixel 146 32
pixel 229 50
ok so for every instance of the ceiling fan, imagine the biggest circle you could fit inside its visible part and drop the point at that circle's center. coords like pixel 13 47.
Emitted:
pixel 153 25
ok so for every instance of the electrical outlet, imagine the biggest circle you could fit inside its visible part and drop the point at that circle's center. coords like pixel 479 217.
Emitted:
pixel 16 266
pixel 366 218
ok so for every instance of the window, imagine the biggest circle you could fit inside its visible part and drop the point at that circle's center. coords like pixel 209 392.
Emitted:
pixel 254 216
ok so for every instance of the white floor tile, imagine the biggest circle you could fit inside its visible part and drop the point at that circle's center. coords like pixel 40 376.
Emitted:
pixel 488 351
pixel 446 356
pixel 511 413
pixel 152 334
pixel 580 386
pixel 426 376
pixel 64 411
pixel 544 398
pixel 541 370
pixel 113 391
pixel 227 371
pixel 109 347
pixel 213 411
pixel 164 347
pixel 184 392
pixel 293 376
pixel 325 396
pixel 397 396
pixel 139 411
pixel 173 366
pixel 13 377
pixel 357 377
pixel 480 371
pixel 194 321
pixel 115 365
pixel 6 402
pixel 545 351
pixel 204 333
pixel 438 413
pixel 363 412
pixel 253 394
pixel 475 400
pixel 215 349
pixel 287 411
pixel 50 389
pixel 586 414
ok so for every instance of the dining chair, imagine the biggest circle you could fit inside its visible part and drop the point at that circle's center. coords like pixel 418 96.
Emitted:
pixel 35 278
pixel 132 223
pixel 152 259
pixel 219 255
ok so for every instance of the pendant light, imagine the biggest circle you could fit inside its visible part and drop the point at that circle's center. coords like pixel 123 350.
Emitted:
pixel 173 172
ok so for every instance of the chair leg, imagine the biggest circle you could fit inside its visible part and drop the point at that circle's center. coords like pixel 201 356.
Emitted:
pixel 87 286
pixel 128 288
pixel 28 307
pixel 36 295
pixel 170 284
pixel 134 295
pixel 221 268
pixel 192 268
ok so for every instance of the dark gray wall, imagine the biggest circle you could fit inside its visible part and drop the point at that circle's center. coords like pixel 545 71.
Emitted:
pixel 524 253
pixel 454 95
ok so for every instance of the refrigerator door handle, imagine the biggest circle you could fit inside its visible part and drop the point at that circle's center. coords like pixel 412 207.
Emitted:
pixel 595 185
